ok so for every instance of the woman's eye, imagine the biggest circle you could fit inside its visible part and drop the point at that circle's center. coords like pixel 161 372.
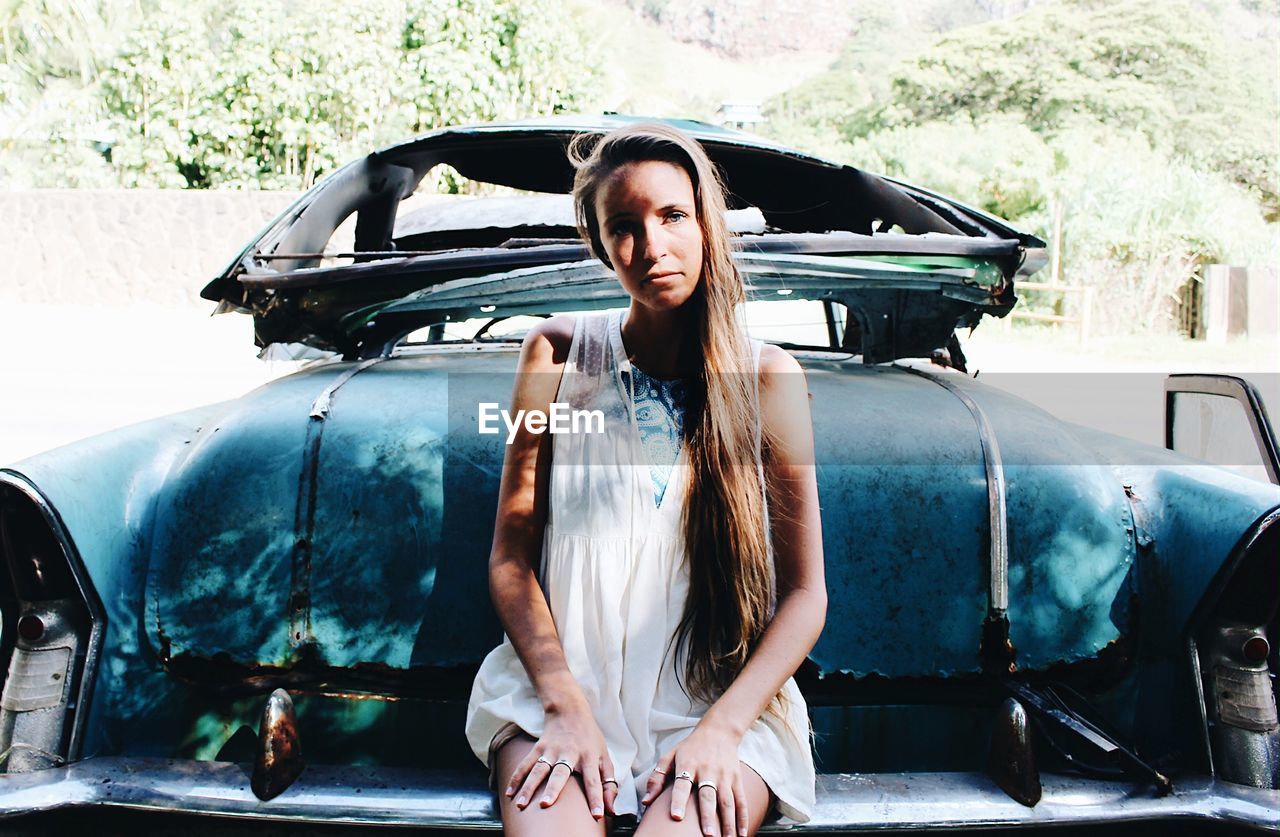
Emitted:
pixel 676 215
pixel 620 229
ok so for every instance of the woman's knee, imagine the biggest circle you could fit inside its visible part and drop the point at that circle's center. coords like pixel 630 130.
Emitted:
pixel 569 815
pixel 658 822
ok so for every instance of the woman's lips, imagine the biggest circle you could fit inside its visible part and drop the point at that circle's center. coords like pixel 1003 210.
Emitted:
pixel 667 274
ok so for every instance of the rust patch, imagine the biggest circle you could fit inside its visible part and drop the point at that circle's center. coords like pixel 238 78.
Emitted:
pixel 1104 671
pixel 226 677
pixel 304 526
pixel 996 650
pixel 359 696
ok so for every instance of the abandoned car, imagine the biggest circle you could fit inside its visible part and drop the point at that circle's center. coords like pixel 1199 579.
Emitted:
pixel 274 607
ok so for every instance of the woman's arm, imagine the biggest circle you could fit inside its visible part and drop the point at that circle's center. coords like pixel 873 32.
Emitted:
pixel 570 733
pixel 710 751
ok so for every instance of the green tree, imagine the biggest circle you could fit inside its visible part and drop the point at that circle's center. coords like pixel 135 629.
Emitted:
pixel 1139 123
pixel 1154 66
pixel 997 164
pixel 51 56
pixel 1140 223
pixel 43 41
pixel 253 94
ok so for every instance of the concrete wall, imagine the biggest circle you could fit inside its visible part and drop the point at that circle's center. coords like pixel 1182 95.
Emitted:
pixel 124 246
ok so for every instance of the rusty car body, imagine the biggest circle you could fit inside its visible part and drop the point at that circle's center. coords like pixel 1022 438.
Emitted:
pixel 1031 623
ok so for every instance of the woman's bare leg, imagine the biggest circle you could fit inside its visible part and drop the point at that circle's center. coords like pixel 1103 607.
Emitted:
pixel 657 821
pixel 568 817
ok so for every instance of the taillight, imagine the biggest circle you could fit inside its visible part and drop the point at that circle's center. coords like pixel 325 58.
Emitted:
pixel 50 625
pixel 1233 640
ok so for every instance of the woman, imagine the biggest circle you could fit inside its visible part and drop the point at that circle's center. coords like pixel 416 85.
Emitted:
pixel 650 665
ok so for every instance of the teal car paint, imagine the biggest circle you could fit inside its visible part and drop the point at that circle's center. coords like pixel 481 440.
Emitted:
pixel 328 533
pixel 230 519
pixel 215 516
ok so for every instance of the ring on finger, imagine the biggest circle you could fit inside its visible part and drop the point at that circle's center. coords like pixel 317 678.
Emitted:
pixel 660 770
pixel 707 784
pixel 686 775
pixel 609 781
pixel 544 760
pixel 559 762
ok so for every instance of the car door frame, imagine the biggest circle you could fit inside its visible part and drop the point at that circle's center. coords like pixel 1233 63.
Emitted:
pixel 1230 386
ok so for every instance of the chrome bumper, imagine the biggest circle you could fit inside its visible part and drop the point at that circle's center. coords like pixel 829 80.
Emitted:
pixel 385 796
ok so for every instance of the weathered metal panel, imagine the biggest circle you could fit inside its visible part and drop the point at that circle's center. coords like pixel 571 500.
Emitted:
pixel 904 541
pixel 900 604
pixel 1071 536
pixel 1188 518
pixel 361 538
pixel 378 539
pixel 103 489
pixel 219 577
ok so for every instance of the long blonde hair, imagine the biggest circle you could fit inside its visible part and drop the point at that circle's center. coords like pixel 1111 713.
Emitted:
pixel 731 582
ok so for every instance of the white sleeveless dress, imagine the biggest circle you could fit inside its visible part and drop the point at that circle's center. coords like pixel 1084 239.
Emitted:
pixel 615 577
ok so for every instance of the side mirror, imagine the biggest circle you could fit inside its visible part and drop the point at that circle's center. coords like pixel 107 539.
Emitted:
pixel 1222 420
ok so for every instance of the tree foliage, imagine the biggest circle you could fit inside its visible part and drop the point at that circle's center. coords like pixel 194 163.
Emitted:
pixel 1158 67
pixel 46 41
pixel 51 57
pixel 1148 132
pixel 265 93
pixel 253 93
pixel 1140 222
pixel 998 165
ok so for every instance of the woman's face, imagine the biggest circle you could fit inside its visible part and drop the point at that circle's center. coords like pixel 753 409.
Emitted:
pixel 650 232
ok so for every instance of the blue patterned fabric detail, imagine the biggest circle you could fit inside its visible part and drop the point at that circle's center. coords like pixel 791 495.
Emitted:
pixel 659 408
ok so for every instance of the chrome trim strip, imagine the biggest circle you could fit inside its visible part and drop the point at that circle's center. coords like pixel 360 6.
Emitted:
pixel 324 401
pixel 460 800
pixel 97 616
pixel 1201 706
pixel 997 512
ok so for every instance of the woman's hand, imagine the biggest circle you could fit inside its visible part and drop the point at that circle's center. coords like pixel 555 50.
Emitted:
pixel 709 758
pixel 571 743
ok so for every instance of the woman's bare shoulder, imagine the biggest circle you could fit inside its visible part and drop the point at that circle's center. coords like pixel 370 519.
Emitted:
pixel 546 346
pixel 784 402
pixel 777 360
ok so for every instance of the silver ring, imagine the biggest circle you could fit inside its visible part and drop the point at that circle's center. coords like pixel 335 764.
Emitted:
pixel 686 775
pixel 543 760
pixel 609 781
pixel 660 770
pixel 559 762
pixel 711 785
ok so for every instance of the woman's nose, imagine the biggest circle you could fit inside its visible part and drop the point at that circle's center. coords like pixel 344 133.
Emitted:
pixel 654 245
